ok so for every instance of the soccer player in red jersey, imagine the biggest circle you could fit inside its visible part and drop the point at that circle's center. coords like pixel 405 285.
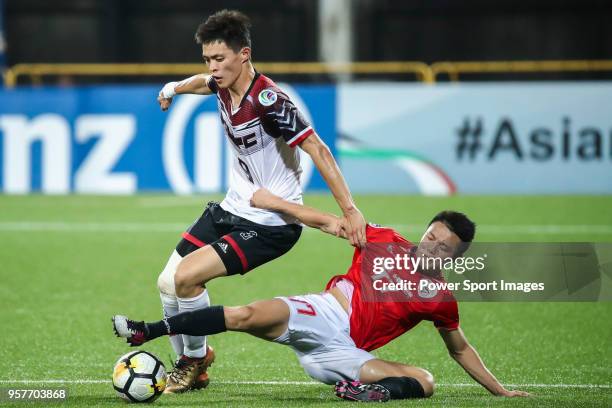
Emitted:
pixel 265 128
pixel 332 333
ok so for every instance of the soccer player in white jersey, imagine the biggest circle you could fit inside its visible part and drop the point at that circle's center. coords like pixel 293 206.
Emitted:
pixel 264 128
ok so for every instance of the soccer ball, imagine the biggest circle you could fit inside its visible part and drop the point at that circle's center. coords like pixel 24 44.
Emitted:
pixel 139 376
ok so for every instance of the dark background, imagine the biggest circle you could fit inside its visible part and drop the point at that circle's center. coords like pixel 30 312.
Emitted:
pixel 287 30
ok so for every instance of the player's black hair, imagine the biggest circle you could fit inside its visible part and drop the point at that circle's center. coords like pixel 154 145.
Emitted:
pixel 460 224
pixel 229 26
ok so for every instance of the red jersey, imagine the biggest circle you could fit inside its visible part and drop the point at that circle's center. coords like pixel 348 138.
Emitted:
pixel 374 323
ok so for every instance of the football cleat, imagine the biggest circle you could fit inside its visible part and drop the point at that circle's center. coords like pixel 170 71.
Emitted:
pixel 356 391
pixel 134 332
pixel 190 373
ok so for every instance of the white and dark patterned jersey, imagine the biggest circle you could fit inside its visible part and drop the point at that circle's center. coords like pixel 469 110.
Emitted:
pixel 263 132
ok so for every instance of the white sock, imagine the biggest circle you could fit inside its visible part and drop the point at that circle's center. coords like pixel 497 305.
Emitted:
pixel 194 346
pixel 170 308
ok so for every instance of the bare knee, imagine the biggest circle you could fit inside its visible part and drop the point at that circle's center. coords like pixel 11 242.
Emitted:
pixel 185 284
pixel 239 318
pixel 195 270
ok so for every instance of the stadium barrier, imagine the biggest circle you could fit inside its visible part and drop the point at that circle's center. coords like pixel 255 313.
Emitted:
pixel 454 69
pixel 422 71
pixel 36 71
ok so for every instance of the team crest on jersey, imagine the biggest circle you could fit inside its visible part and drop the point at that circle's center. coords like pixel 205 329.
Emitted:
pixel 267 97
pixel 427 293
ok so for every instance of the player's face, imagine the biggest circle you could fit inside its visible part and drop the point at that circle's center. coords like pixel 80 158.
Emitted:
pixel 438 242
pixel 224 64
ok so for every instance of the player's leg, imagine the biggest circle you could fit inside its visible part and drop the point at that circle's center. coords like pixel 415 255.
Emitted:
pixel 196 297
pixel 196 269
pixel 243 246
pixel 399 381
pixel 165 284
pixel 267 319
pixel 195 356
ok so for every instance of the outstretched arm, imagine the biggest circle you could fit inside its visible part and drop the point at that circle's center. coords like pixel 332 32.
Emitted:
pixel 352 221
pixel 326 222
pixel 467 357
pixel 196 84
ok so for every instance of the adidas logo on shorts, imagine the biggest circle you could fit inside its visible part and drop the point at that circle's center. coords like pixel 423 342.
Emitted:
pixel 223 247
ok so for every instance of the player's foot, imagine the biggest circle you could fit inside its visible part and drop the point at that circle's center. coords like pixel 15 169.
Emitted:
pixel 190 373
pixel 134 332
pixel 203 378
pixel 356 391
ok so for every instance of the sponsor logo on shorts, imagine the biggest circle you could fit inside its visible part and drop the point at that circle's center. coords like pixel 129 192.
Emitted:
pixel 248 235
pixel 223 247
pixel 267 97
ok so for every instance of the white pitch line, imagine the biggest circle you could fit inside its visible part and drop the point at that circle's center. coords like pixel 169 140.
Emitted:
pixel 460 385
pixel 63 226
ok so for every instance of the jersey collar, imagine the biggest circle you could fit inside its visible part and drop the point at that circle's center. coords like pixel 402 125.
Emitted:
pixel 246 94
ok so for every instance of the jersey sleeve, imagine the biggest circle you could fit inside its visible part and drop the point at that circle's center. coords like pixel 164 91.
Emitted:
pixel 282 118
pixel 446 316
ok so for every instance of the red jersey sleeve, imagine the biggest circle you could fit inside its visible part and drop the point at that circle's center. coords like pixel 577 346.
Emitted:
pixel 446 315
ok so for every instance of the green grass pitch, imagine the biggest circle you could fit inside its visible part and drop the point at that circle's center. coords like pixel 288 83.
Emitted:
pixel 70 263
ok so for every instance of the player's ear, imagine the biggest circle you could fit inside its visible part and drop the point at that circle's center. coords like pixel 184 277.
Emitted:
pixel 245 54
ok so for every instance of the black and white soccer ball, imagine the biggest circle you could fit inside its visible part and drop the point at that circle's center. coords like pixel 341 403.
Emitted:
pixel 139 376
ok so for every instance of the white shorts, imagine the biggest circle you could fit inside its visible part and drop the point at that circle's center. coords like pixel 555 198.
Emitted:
pixel 318 332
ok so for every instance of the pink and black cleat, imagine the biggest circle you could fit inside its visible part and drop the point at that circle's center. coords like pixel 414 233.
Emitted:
pixel 356 391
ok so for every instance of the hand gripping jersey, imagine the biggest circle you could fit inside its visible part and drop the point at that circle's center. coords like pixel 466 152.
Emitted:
pixel 375 321
pixel 263 131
